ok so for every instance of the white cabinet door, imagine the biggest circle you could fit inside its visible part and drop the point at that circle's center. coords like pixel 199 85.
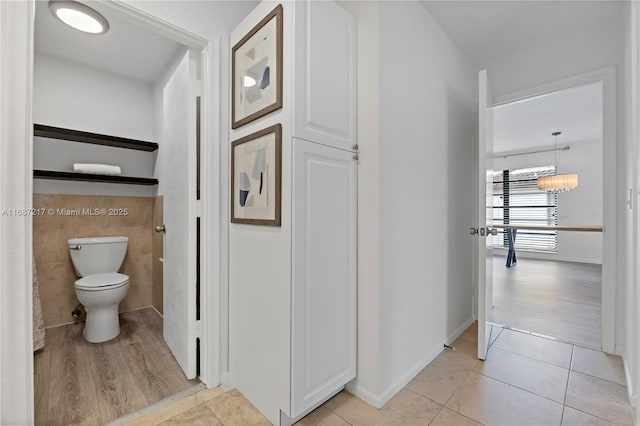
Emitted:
pixel 325 74
pixel 324 273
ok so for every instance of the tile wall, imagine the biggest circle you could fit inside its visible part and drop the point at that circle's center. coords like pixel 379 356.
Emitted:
pixel 52 229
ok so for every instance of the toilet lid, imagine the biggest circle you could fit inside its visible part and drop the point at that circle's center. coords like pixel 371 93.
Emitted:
pixel 97 281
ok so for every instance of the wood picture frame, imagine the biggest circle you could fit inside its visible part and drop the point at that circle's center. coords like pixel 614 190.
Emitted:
pixel 256 71
pixel 256 178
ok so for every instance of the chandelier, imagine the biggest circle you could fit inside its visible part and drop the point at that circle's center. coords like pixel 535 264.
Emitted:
pixel 558 182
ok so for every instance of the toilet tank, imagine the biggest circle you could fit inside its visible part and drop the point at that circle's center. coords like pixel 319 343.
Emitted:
pixel 95 255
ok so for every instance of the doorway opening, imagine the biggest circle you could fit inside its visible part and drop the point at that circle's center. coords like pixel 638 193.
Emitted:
pixel 554 288
pixel 129 100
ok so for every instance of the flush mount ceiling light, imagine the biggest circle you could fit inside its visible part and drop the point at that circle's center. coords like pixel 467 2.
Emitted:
pixel 558 182
pixel 79 16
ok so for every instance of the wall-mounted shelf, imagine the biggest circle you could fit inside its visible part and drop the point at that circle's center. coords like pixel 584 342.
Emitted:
pixel 83 177
pixel 92 138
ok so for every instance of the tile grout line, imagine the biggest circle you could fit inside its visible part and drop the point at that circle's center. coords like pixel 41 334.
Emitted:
pixel 597 417
pixel 443 406
pixel 215 416
pixel 570 368
pixel 537 359
pixel 453 393
pixel 334 411
pixel 544 338
pixel 437 414
pixel 339 416
pixel 518 387
pixel 549 338
pixel 497 337
pixel 599 378
pixel 566 388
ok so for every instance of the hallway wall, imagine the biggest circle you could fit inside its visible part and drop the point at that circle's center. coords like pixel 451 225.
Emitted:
pixel 427 139
pixel 416 173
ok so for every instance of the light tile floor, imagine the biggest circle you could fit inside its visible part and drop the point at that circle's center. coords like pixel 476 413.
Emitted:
pixel 526 380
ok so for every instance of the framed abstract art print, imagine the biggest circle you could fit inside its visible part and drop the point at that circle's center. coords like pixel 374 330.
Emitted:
pixel 256 69
pixel 256 177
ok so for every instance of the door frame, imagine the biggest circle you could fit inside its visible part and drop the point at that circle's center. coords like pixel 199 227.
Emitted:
pixel 16 309
pixel 17 27
pixel 609 161
pixel 208 328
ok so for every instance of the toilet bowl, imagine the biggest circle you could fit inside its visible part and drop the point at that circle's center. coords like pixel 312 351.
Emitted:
pixel 101 288
pixel 101 295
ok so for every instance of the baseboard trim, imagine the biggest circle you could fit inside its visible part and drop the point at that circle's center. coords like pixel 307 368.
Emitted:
pixel 458 331
pixel 364 395
pixel 379 401
pixel 225 382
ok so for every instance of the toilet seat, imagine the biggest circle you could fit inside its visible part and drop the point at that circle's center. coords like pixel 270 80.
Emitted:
pixel 106 281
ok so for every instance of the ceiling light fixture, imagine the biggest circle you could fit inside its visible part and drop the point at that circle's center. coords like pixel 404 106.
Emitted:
pixel 79 16
pixel 557 182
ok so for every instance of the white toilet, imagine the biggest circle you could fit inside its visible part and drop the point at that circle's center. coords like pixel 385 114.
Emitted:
pixel 101 288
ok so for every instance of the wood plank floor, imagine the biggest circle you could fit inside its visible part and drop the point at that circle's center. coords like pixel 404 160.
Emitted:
pixel 80 383
pixel 558 299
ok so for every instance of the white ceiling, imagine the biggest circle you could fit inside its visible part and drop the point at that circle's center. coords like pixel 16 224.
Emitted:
pixel 487 30
pixel 126 49
pixel 528 124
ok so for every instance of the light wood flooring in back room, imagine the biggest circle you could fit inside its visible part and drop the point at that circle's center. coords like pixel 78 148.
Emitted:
pixel 80 383
pixel 557 299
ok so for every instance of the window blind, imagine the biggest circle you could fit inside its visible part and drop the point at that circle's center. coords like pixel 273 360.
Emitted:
pixel 518 201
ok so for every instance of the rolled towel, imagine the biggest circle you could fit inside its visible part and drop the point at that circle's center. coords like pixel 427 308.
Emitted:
pixel 96 169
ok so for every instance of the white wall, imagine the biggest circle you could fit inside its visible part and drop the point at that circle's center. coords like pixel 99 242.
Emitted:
pixel 581 206
pixel 260 262
pixel 416 291
pixel 427 139
pixel 75 96
pixel 598 47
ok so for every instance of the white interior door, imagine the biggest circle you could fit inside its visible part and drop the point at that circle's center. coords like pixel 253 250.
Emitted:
pixel 177 159
pixel 485 214
pixel 324 273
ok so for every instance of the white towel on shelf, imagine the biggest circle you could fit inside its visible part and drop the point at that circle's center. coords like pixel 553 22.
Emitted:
pixel 96 169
